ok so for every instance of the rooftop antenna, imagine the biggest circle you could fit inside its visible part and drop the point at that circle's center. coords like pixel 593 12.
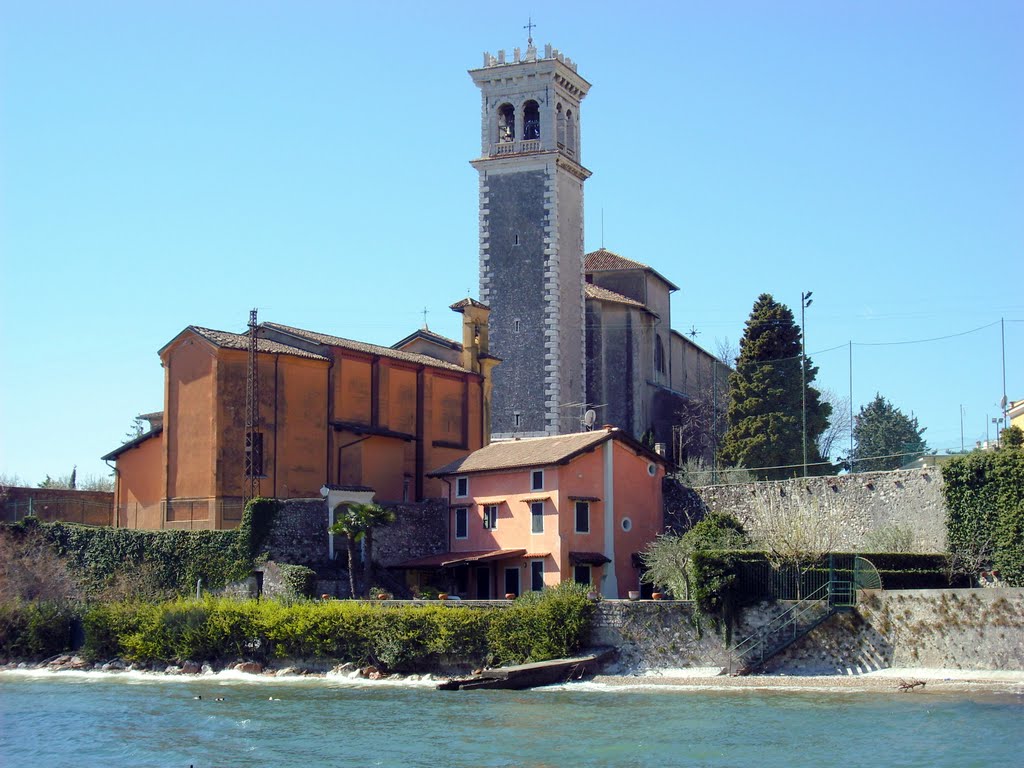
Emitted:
pixel 694 333
pixel 602 227
pixel 425 326
pixel 253 449
pixel 529 30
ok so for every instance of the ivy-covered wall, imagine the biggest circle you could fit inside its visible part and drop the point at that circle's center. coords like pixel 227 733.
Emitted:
pixel 984 494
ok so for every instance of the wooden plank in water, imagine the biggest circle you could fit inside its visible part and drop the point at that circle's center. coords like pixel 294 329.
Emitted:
pixel 519 676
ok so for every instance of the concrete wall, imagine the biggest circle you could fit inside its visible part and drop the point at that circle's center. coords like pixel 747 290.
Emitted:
pixel 863 502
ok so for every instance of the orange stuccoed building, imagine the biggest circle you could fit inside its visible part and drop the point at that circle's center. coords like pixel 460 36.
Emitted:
pixel 333 414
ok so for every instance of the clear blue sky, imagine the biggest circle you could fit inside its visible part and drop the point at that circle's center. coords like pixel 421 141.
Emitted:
pixel 172 163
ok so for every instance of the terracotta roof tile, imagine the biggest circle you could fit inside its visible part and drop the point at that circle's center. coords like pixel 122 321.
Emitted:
pixel 592 291
pixel 370 349
pixel 603 260
pixel 429 335
pixel 528 452
pixel 228 340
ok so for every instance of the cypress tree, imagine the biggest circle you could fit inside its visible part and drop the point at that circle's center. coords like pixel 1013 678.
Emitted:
pixel 886 437
pixel 765 406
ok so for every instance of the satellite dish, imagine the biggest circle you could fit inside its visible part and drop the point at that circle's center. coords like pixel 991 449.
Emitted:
pixel 589 418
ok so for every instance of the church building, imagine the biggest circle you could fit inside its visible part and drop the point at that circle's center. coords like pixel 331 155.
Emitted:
pixel 576 332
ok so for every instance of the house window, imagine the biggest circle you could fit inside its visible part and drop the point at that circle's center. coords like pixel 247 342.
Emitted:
pixel 516 325
pixel 536 575
pixel 627 524
pixel 659 355
pixel 537 517
pixel 581 574
pixel 582 517
pixel 518 419
pixel 461 522
pixel 537 480
pixel 254 454
pixel 461 487
pixel 491 516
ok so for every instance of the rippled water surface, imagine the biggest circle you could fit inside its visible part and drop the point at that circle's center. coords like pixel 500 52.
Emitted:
pixel 108 720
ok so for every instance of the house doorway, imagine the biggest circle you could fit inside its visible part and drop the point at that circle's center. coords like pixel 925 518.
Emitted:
pixel 483 583
pixel 512 581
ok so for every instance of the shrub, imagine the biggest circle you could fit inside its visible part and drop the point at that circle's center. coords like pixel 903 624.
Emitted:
pixel 541 625
pixel 298 580
pixel 35 630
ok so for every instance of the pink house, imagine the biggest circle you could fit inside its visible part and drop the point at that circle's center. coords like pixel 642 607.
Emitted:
pixel 530 513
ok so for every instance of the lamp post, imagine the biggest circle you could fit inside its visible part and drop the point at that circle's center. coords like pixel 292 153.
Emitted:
pixel 805 302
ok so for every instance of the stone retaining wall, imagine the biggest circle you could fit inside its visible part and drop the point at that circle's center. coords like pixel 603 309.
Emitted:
pixel 863 502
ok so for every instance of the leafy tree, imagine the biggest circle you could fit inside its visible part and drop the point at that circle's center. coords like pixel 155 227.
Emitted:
pixel 765 398
pixel 1012 437
pixel 668 559
pixel 885 438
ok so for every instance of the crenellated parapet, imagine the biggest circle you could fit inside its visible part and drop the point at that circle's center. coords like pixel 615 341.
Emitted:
pixel 531 55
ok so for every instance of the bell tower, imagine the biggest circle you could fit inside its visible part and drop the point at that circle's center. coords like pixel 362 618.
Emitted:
pixel 531 238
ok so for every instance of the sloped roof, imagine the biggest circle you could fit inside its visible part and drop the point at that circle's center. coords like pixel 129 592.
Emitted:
pixel 603 260
pixel 369 349
pixel 536 452
pixel 461 304
pixel 132 443
pixel 592 291
pixel 228 340
pixel 428 335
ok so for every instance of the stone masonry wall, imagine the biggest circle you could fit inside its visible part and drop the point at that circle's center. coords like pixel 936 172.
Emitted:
pixel 300 534
pixel 864 501
pixel 979 629
pixel 944 629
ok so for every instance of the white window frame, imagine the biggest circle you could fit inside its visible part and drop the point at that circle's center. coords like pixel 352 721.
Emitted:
pixel 533 477
pixel 534 517
pixel 490 517
pixel 463 484
pixel 465 517
pixel 576 517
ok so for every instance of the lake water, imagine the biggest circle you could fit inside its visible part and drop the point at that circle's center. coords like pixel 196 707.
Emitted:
pixel 95 719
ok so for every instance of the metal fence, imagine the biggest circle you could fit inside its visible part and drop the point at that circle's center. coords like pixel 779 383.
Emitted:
pixel 212 512
pixel 65 509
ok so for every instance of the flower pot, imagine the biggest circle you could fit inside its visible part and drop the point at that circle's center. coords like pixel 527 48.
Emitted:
pixel 510 595
pixel 634 595
pixel 442 596
pixel 383 596
pixel 657 596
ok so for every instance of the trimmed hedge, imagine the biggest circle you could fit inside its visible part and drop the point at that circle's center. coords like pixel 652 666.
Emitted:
pixel 403 638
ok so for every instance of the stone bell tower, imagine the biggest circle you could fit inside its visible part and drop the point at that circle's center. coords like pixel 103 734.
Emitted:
pixel 531 238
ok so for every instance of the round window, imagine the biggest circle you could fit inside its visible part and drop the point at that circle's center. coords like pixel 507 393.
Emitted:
pixel 651 469
pixel 627 524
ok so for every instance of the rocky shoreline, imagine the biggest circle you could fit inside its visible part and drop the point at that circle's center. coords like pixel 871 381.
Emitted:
pixel 911 680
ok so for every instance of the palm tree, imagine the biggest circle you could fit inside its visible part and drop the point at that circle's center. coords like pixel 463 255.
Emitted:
pixel 356 522
pixel 373 516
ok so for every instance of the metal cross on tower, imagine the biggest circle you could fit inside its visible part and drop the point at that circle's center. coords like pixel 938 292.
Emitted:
pixel 529 30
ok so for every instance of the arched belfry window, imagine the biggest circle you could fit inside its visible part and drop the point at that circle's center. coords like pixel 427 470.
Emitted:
pixel 531 121
pixel 560 119
pixel 506 123
pixel 570 131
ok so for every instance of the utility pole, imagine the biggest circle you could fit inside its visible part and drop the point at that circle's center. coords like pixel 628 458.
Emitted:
pixel 805 302
pixel 252 458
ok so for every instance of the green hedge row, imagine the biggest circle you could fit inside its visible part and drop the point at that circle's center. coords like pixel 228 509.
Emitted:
pixel 404 638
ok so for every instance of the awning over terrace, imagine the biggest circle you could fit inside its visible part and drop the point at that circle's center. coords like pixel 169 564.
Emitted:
pixel 449 559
